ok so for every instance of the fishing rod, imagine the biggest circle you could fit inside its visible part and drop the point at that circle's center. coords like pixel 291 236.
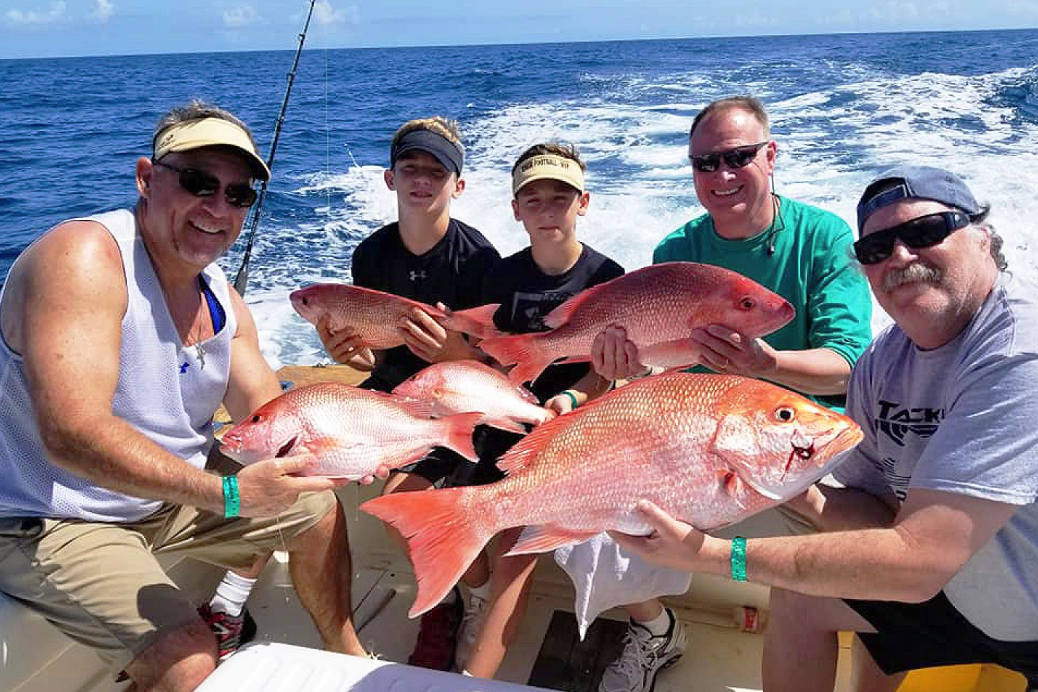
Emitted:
pixel 241 280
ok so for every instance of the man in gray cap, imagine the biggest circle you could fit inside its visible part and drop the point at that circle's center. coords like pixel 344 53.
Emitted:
pixel 946 399
pixel 121 338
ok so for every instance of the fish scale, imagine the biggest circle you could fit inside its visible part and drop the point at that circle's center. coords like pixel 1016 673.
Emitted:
pixel 377 316
pixel 659 435
pixel 352 431
pixel 709 449
pixel 658 306
pixel 467 385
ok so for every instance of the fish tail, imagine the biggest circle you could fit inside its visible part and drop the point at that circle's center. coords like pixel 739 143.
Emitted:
pixel 478 322
pixel 459 433
pixel 441 538
pixel 523 349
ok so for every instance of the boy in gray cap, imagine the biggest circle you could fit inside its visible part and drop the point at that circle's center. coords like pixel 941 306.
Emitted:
pixel 945 397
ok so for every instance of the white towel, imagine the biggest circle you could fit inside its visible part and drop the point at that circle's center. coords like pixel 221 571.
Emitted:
pixel 605 576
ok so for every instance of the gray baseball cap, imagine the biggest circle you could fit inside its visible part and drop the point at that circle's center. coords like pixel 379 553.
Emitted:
pixel 916 182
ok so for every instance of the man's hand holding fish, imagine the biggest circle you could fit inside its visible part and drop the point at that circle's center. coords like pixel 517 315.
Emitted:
pixel 674 543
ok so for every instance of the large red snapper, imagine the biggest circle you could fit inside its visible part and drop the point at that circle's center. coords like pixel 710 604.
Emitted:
pixel 350 430
pixel 709 449
pixel 458 386
pixel 376 316
pixel 658 306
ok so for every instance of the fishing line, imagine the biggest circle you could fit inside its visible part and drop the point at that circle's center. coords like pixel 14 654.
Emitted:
pixel 241 279
pixel 327 140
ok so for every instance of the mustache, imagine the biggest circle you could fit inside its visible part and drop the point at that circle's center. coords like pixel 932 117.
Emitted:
pixel 913 273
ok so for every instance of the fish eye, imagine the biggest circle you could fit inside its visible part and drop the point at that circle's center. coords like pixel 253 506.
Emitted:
pixel 785 414
pixel 305 301
pixel 747 303
pixel 256 418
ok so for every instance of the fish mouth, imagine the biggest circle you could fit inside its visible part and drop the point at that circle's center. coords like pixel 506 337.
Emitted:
pixel 826 450
pixel 284 450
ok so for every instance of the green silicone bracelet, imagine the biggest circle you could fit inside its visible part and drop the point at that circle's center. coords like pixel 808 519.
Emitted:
pixel 231 498
pixel 739 558
pixel 572 397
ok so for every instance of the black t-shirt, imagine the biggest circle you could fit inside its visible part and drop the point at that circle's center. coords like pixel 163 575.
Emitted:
pixel 450 273
pixel 527 295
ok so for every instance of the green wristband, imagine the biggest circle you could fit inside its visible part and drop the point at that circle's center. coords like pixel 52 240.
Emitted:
pixel 231 498
pixel 739 558
pixel 572 397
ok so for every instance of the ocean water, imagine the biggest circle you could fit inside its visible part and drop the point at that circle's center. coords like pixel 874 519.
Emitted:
pixel 843 107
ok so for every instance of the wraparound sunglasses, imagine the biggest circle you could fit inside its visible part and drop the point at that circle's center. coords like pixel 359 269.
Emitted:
pixel 737 157
pixel 202 184
pixel 925 231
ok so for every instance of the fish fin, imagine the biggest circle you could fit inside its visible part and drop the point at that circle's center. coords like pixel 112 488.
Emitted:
pixel 675 354
pixel 547 537
pixel 441 538
pixel 733 485
pixel 478 322
pixel 526 449
pixel 459 433
pixel 505 424
pixel 521 349
pixel 560 315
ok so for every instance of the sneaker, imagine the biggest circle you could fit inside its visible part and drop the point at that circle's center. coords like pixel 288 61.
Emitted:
pixel 231 630
pixel 643 657
pixel 471 624
pixel 437 636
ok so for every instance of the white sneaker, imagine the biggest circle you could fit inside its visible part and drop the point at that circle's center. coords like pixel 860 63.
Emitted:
pixel 643 657
pixel 471 624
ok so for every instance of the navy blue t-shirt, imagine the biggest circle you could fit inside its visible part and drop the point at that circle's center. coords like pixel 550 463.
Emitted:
pixel 527 295
pixel 451 272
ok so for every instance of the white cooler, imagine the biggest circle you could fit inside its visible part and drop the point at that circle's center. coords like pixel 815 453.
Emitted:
pixel 273 667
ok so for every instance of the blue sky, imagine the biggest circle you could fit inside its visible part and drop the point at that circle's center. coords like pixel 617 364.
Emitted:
pixel 48 28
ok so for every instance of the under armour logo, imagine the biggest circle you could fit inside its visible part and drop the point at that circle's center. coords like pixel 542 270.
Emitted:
pixel 184 366
pixel 420 274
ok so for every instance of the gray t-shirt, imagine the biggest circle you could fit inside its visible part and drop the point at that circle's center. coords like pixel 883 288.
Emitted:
pixel 963 418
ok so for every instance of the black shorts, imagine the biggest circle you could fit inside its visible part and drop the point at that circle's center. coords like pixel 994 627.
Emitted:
pixel 445 468
pixel 922 635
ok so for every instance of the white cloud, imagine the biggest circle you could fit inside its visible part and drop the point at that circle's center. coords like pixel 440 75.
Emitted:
pixel 103 11
pixel 56 13
pixel 241 16
pixel 756 19
pixel 325 14
pixel 844 17
pixel 895 11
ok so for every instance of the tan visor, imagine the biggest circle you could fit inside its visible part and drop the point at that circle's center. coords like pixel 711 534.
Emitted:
pixel 209 132
pixel 548 167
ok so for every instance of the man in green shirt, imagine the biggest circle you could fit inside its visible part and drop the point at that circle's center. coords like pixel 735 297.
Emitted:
pixel 799 251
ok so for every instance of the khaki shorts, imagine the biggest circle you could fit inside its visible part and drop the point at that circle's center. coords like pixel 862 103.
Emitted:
pixel 101 584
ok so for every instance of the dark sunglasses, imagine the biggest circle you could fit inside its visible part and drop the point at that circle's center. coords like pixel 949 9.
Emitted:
pixel 202 184
pixel 925 231
pixel 739 157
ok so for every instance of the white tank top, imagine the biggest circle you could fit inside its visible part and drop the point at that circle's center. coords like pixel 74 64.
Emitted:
pixel 165 391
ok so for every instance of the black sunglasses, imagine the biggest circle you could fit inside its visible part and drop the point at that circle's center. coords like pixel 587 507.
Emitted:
pixel 925 231
pixel 202 184
pixel 738 157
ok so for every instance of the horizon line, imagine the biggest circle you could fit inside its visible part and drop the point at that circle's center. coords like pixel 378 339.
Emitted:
pixel 530 43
